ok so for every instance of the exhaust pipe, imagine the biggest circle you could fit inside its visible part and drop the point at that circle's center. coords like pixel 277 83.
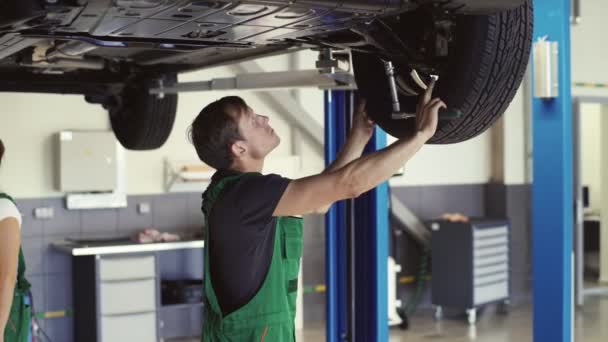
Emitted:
pixel 73 49
pixel 68 63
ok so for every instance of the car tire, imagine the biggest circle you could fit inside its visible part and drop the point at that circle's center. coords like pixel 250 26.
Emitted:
pixel 140 120
pixel 486 65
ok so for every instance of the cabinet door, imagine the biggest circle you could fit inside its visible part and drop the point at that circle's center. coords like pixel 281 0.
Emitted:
pixel 129 328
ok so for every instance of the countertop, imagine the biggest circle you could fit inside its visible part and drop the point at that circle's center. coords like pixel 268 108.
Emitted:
pixel 122 247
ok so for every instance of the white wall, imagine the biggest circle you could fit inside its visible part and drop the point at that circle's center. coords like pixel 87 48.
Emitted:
pixel 589 50
pixel 29 122
pixel 516 124
pixel 591 153
pixel 28 126
pixel 589 55
pixel 470 162
pixel 464 163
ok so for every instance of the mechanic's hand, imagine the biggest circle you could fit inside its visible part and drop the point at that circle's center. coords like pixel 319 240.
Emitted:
pixel 363 126
pixel 427 113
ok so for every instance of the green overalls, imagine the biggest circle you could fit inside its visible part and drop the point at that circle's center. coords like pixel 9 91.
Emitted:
pixel 270 315
pixel 18 325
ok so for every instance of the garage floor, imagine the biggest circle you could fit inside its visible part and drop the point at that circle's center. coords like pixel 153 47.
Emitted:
pixel 515 327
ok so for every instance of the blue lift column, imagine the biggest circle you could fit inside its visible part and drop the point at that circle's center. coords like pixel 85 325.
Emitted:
pixel 552 189
pixel 356 243
pixel 371 262
pixel 335 223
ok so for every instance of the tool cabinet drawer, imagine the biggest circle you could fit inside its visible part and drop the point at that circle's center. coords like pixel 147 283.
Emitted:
pixel 125 268
pixel 124 297
pixel 489 293
pixel 129 328
pixel 490 233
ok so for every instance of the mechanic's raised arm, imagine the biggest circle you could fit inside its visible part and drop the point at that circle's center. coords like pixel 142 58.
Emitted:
pixel 313 194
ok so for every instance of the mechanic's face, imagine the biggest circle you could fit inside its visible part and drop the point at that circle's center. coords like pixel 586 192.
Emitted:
pixel 260 138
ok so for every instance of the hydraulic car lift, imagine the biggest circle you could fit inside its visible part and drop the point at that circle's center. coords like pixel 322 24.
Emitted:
pixel 357 253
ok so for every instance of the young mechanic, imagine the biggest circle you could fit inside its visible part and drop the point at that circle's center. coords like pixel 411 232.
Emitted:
pixel 253 233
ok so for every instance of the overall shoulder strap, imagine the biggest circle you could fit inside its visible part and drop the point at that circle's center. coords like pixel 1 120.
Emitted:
pixel 215 188
pixel 22 283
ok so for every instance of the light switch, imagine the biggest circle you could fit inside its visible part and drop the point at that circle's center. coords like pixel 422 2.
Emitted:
pixel 143 208
pixel 44 213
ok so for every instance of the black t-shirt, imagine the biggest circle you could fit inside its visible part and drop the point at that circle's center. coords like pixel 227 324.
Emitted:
pixel 241 236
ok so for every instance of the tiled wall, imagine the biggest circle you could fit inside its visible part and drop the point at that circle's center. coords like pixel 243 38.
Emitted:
pixel 514 202
pixel 50 271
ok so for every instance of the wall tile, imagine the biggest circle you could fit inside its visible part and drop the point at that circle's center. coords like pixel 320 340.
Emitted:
pixel 58 291
pixel 99 222
pixel 64 221
pixel 30 226
pixel 170 213
pixel 130 221
pixel 55 261
pixel 196 218
pixel 32 251
pixel 38 292
pixel 60 329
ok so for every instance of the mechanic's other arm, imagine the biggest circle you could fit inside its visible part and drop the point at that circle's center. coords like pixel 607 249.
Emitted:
pixel 308 195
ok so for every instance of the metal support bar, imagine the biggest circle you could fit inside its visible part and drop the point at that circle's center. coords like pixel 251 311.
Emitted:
pixel 552 195
pixel 410 222
pixel 264 81
pixel 334 71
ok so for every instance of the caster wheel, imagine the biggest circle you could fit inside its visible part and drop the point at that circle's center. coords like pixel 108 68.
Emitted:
pixel 405 321
pixel 472 316
pixel 438 313
pixel 504 308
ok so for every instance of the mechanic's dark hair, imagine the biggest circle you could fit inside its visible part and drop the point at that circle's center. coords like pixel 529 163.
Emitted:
pixel 215 129
pixel 1 151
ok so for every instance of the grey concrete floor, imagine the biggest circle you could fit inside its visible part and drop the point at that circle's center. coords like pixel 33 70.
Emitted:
pixel 591 325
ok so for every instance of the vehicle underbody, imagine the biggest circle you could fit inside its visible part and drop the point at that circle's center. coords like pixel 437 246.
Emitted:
pixel 103 42
pixel 114 52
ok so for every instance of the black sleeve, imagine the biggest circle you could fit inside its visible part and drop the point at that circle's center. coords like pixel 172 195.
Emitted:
pixel 258 197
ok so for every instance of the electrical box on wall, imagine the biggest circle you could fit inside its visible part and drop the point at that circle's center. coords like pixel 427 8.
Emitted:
pixel 87 161
pixel 92 170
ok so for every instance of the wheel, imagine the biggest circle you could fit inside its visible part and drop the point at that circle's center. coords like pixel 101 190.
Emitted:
pixel 481 72
pixel 405 321
pixel 504 307
pixel 472 316
pixel 438 313
pixel 142 121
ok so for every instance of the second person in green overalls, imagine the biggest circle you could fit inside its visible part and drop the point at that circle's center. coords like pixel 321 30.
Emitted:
pixel 253 233
pixel 14 312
